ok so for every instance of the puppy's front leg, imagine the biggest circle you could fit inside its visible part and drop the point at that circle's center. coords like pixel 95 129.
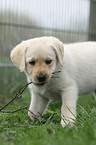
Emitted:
pixel 38 105
pixel 68 109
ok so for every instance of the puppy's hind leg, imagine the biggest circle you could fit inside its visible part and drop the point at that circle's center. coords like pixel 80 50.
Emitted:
pixel 94 93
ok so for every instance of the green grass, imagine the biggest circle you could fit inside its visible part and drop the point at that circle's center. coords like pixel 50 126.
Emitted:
pixel 18 129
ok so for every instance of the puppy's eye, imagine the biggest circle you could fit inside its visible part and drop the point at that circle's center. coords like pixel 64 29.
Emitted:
pixel 48 61
pixel 32 62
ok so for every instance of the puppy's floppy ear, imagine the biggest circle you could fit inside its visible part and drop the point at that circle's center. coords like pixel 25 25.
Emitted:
pixel 58 47
pixel 18 56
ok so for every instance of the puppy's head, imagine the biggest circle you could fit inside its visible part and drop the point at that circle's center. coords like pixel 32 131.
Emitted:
pixel 40 56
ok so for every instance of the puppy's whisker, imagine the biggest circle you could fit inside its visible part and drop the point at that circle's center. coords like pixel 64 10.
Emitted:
pixel 56 72
pixel 55 77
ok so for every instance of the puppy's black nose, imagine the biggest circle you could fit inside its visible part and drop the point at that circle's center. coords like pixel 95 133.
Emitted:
pixel 41 78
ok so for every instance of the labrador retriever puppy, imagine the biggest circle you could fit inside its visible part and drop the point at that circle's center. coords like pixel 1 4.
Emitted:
pixel 58 71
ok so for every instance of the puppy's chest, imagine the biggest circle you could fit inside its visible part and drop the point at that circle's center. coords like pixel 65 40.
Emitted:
pixel 53 95
pixel 52 92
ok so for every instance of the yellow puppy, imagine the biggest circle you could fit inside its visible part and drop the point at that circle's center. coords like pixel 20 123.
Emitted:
pixel 57 71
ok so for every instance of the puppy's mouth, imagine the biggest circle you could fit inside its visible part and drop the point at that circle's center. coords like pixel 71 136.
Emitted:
pixel 41 84
pixel 41 80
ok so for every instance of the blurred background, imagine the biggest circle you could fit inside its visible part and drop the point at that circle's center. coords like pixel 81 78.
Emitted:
pixel 68 20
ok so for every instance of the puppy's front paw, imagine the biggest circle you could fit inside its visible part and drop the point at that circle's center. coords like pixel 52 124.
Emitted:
pixel 65 123
pixel 31 115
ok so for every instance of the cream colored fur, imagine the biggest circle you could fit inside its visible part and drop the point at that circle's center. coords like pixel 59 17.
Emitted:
pixel 77 63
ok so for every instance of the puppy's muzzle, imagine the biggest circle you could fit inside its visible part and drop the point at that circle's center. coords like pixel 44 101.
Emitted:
pixel 41 79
